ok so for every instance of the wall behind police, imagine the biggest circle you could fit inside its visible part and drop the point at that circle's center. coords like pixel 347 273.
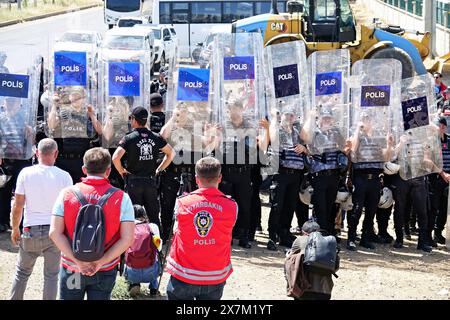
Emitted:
pixel 396 16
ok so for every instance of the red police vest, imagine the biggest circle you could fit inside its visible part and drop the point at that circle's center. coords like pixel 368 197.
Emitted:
pixel 93 189
pixel 201 248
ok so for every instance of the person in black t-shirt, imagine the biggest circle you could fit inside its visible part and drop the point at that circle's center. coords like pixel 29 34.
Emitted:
pixel 142 147
pixel 157 115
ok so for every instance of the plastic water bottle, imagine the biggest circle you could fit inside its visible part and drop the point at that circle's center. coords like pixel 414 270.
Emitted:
pixel 26 234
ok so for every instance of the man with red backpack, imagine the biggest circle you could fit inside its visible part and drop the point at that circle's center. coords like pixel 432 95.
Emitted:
pixel 141 258
pixel 92 225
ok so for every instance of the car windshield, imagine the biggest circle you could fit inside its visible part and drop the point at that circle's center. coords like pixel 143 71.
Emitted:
pixel 77 37
pixel 123 5
pixel 157 33
pixel 124 23
pixel 124 42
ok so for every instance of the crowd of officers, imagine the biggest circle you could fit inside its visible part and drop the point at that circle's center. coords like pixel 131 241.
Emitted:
pixel 144 166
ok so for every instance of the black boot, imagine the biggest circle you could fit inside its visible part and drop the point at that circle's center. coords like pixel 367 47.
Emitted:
pixel 243 239
pixel 366 242
pixel 424 247
pixel 286 238
pixel 438 237
pixel 398 244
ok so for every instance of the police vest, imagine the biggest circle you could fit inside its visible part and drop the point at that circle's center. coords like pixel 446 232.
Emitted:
pixel 288 157
pixel 446 153
pixel 326 161
pixel 93 189
pixel 13 140
pixel 201 248
pixel 239 146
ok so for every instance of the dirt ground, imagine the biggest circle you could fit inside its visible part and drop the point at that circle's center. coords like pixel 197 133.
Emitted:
pixel 383 273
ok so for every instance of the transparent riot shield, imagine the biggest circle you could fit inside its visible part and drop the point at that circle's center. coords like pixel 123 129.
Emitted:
pixel 375 97
pixel 238 79
pixel 124 84
pixel 329 113
pixel 72 86
pixel 19 92
pixel 287 82
pixel 188 108
pixel 419 147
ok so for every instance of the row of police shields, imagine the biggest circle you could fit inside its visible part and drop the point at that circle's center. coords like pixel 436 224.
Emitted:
pixel 243 83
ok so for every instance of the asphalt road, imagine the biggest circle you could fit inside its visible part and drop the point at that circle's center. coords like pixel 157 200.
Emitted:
pixel 23 40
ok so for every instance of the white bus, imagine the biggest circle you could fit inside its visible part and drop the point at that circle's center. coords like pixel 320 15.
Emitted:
pixel 114 9
pixel 194 19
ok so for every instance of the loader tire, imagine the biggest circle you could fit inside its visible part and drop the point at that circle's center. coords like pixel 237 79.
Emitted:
pixel 408 69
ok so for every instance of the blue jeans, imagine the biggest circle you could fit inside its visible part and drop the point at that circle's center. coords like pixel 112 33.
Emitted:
pixel 147 275
pixel 179 290
pixel 74 285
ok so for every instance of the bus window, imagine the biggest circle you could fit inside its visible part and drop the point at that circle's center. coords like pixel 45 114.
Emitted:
pixel 237 10
pixel 180 12
pixel 262 7
pixel 123 6
pixel 206 12
pixel 164 12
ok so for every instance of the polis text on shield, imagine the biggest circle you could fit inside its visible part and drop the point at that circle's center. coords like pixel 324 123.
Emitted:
pixel 124 78
pixel 12 84
pixel 192 84
pixel 238 67
pixel 70 69
pixel 288 76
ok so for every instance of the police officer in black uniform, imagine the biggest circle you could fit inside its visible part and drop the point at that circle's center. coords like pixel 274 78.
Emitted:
pixel 366 179
pixel 157 115
pixel 141 148
pixel 383 214
pixel 326 169
pixel 438 184
pixel 236 169
pixel 160 85
pixel 68 111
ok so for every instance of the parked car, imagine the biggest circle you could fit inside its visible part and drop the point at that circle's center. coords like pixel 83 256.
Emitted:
pixel 128 44
pixel 78 40
pixel 164 43
pixel 128 22
pixel 202 53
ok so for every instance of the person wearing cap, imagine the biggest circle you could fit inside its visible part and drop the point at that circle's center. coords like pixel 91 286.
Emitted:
pixel 287 142
pixel 141 147
pixel 368 157
pixel 321 285
pixel 157 115
pixel 160 85
pixel 439 187
pixel 73 123
pixel 327 164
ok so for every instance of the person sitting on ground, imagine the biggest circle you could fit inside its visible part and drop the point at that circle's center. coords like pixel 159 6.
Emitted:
pixel 141 258
pixel 320 285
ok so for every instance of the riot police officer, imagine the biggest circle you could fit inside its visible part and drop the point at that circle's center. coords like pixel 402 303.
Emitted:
pixel 141 147
pixel 286 184
pixel 439 187
pixel 326 169
pixel 160 85
pixel 73 124
pixel 235 146
pixel 368 157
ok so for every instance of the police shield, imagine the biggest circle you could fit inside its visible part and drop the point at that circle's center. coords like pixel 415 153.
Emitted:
pixel 124 84
pixel 188 107
pixel 329 113
pixel 375 96
pixel 19 92
pixel 238 81
pixel 287 79
pixel 71 87
pixel 419 147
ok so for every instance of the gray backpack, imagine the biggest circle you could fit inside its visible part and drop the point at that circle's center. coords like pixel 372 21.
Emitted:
pixel 321 254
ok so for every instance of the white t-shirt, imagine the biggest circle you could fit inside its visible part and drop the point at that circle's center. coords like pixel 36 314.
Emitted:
pixel 41 186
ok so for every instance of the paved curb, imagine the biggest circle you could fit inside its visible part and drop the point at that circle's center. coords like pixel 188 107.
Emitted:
pixel 47 15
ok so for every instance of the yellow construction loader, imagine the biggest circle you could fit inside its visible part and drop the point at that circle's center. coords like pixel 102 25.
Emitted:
pixel 330 24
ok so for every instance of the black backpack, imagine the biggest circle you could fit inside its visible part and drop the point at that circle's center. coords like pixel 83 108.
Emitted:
pixel 88 242
pixel 321 254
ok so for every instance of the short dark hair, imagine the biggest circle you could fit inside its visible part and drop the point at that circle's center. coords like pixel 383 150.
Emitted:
pixel 97 160
pixel 437 74
pixel 208 169
pixel 139 212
